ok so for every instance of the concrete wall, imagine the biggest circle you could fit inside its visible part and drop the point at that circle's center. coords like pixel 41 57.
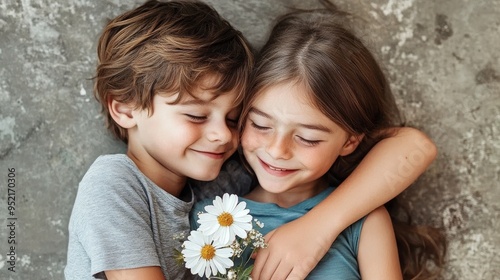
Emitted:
pixel 443 62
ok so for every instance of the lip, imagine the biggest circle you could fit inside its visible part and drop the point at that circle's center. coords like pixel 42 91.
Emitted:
pixel 213 155
pixel 276 171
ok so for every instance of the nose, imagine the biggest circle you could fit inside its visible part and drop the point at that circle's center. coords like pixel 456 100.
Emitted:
pixel 220 132
pixel 279 147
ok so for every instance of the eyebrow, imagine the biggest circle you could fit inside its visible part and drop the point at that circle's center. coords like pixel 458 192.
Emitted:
pixel 308 126
pixel 194 101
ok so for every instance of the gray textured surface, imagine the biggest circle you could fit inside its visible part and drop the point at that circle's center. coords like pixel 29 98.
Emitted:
pixel 444 66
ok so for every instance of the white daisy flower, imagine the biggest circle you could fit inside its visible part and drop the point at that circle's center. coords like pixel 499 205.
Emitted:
pixel 225 219
pixel 231 275
pixel 204 256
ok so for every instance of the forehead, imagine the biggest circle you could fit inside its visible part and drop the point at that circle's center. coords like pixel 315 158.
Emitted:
pixel 291 104
pixel 289 94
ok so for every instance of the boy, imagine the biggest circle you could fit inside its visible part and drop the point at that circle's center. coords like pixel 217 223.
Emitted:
pixel 170 80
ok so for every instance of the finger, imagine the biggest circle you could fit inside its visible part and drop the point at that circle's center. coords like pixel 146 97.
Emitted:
pixel 259 263
pixel 298 273
pixel 282 272
pixel 254 255
pixel 269 269
pixel 261 258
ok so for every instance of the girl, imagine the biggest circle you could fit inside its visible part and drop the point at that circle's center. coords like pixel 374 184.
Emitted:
pixel 318 103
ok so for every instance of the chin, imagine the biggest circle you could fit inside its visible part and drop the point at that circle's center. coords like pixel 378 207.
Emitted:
pixel 206 176
pixel 272 188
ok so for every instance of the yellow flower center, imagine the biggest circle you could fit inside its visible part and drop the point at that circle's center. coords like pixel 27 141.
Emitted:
pixel 208 252
pixel 225 219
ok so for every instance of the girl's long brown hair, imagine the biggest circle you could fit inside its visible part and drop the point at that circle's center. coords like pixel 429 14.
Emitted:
pixel 345 82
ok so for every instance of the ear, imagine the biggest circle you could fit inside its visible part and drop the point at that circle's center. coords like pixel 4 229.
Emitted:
pixel 351 144
pixel 122 113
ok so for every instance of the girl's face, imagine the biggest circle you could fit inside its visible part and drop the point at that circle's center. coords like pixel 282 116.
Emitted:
pixel 289 143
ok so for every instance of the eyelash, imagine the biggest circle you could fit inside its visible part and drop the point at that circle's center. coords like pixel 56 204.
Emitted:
pixel 197 119
pixel 200 119
pixel 258 127
pixel 310 143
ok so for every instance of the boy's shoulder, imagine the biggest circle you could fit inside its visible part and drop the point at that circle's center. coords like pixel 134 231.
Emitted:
pixel 111 166
pixel 112 172
pixel 111 161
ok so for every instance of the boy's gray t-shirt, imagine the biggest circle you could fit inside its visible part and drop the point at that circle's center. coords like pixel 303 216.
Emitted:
pixel 121 219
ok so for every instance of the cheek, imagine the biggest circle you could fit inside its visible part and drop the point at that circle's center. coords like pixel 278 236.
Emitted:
pixel 320 160
pixel 249 140
pixel 185 130
pixel 235 139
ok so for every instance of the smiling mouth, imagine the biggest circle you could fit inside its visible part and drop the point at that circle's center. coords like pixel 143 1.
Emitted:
pixel 276 170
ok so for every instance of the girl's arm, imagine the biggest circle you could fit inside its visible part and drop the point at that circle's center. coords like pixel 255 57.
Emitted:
pixel 378 252
pixel 387 170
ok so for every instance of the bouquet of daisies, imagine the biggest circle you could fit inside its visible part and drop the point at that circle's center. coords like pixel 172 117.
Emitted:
pixel 226 231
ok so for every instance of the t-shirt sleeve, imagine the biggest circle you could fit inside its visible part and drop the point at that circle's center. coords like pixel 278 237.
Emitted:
pixel 113 222
pixel 354 231
pixel 233 179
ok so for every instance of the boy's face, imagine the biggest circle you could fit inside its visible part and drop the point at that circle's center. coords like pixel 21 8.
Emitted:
pixel 191 138
pixel 289 143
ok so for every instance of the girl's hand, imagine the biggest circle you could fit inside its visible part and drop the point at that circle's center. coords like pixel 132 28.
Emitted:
pixel 294 249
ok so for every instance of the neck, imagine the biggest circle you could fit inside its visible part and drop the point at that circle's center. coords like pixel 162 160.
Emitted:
pixel 287 198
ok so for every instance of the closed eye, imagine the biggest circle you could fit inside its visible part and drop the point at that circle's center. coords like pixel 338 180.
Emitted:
pixel 307 142
pixel 197 119
pixel 258 127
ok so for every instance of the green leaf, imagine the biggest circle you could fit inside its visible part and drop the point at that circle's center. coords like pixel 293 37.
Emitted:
pixel 245 273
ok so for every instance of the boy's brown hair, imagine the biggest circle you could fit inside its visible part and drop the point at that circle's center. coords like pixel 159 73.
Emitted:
pixel 166 48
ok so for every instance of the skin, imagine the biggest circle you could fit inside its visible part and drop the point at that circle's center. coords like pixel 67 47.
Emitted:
pixel 290 147
pixel 192 139
pixel 378 254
